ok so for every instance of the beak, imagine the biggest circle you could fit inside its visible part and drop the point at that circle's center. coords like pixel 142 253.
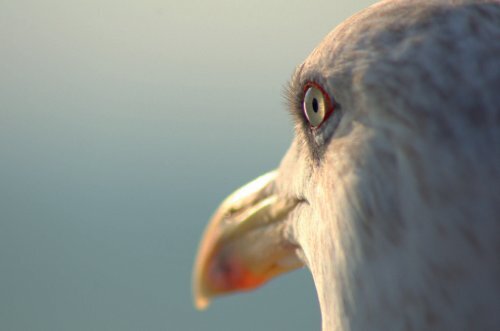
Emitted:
pixel 244 244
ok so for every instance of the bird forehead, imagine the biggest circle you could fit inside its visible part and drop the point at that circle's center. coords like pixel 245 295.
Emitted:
pixel 372 32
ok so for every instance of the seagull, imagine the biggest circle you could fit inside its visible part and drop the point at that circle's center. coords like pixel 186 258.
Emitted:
pixel 390 191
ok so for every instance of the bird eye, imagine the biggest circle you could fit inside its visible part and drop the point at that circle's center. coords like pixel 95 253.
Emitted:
pixel 317 105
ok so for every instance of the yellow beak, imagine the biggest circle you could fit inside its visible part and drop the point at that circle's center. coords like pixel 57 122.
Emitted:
pixel 244 244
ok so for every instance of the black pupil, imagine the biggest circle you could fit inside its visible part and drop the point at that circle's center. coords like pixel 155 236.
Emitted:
pixel 315 105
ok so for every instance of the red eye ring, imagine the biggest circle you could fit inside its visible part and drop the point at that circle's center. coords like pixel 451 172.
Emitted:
pixel 329 106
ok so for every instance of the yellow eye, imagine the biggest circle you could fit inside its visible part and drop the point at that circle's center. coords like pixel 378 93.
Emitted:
pixel 317 105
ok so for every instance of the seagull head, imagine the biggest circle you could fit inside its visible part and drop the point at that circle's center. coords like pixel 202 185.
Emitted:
pixel 387 192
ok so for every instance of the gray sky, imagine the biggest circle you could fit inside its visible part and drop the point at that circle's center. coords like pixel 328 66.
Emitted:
pixel 122 126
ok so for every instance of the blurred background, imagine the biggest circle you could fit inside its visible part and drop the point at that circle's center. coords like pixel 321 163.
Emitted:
pixel 122 126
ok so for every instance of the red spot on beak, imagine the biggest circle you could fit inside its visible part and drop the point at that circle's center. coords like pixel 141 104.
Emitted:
pixel 227 274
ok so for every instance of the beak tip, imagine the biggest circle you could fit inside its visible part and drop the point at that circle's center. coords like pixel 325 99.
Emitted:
pixel 201 303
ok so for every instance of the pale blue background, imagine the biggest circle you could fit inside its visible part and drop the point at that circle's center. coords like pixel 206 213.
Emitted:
pixel 122 126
